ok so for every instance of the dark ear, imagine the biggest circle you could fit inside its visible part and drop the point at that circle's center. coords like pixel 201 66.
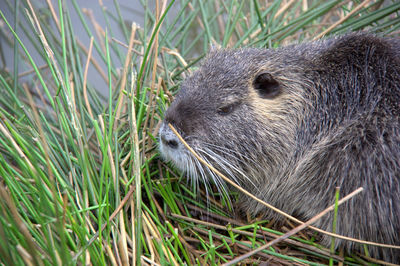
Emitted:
pixel 266 86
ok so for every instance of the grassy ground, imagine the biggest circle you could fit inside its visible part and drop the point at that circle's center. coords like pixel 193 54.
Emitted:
pixel 81 181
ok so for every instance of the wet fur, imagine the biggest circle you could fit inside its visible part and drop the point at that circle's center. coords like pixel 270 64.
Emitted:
pixel 335 123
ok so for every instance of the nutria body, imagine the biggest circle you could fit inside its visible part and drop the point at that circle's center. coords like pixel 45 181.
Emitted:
pixel 293 123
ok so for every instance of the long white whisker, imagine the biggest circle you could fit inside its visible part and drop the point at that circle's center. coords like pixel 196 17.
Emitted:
pixel 217 180
pixel 229 152
pixel 221 162
pixel 203 176
pixel 192 173
pixel 227 166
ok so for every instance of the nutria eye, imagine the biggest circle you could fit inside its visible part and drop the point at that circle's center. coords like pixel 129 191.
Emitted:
pixel 266 86
pixel 225 110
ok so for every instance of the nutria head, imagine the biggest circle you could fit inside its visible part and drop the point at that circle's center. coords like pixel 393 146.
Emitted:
pixel 239 111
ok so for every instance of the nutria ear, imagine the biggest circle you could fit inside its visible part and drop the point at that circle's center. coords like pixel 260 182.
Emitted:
pixel 266 86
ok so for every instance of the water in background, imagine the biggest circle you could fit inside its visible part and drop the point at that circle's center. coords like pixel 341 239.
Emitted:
pixel 131 11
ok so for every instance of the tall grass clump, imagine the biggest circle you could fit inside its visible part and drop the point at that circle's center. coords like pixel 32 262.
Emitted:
pixel 81 181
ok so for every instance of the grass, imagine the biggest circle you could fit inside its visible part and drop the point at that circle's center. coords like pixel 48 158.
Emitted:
pixel 81 178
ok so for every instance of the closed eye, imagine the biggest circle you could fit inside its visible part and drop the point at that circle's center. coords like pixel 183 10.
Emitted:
pixel 226 109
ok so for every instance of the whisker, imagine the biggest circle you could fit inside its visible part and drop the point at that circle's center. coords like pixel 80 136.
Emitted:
pixel 228 167
pixel 192 173
pixel 217 180
pixel 229 152
pixel 203 176
pixel 225 165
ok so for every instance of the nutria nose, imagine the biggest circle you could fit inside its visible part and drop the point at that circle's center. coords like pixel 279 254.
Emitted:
pixel 168 138
pixel 170 142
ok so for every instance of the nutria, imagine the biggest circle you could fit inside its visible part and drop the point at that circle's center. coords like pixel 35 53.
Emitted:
pixel 291 124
